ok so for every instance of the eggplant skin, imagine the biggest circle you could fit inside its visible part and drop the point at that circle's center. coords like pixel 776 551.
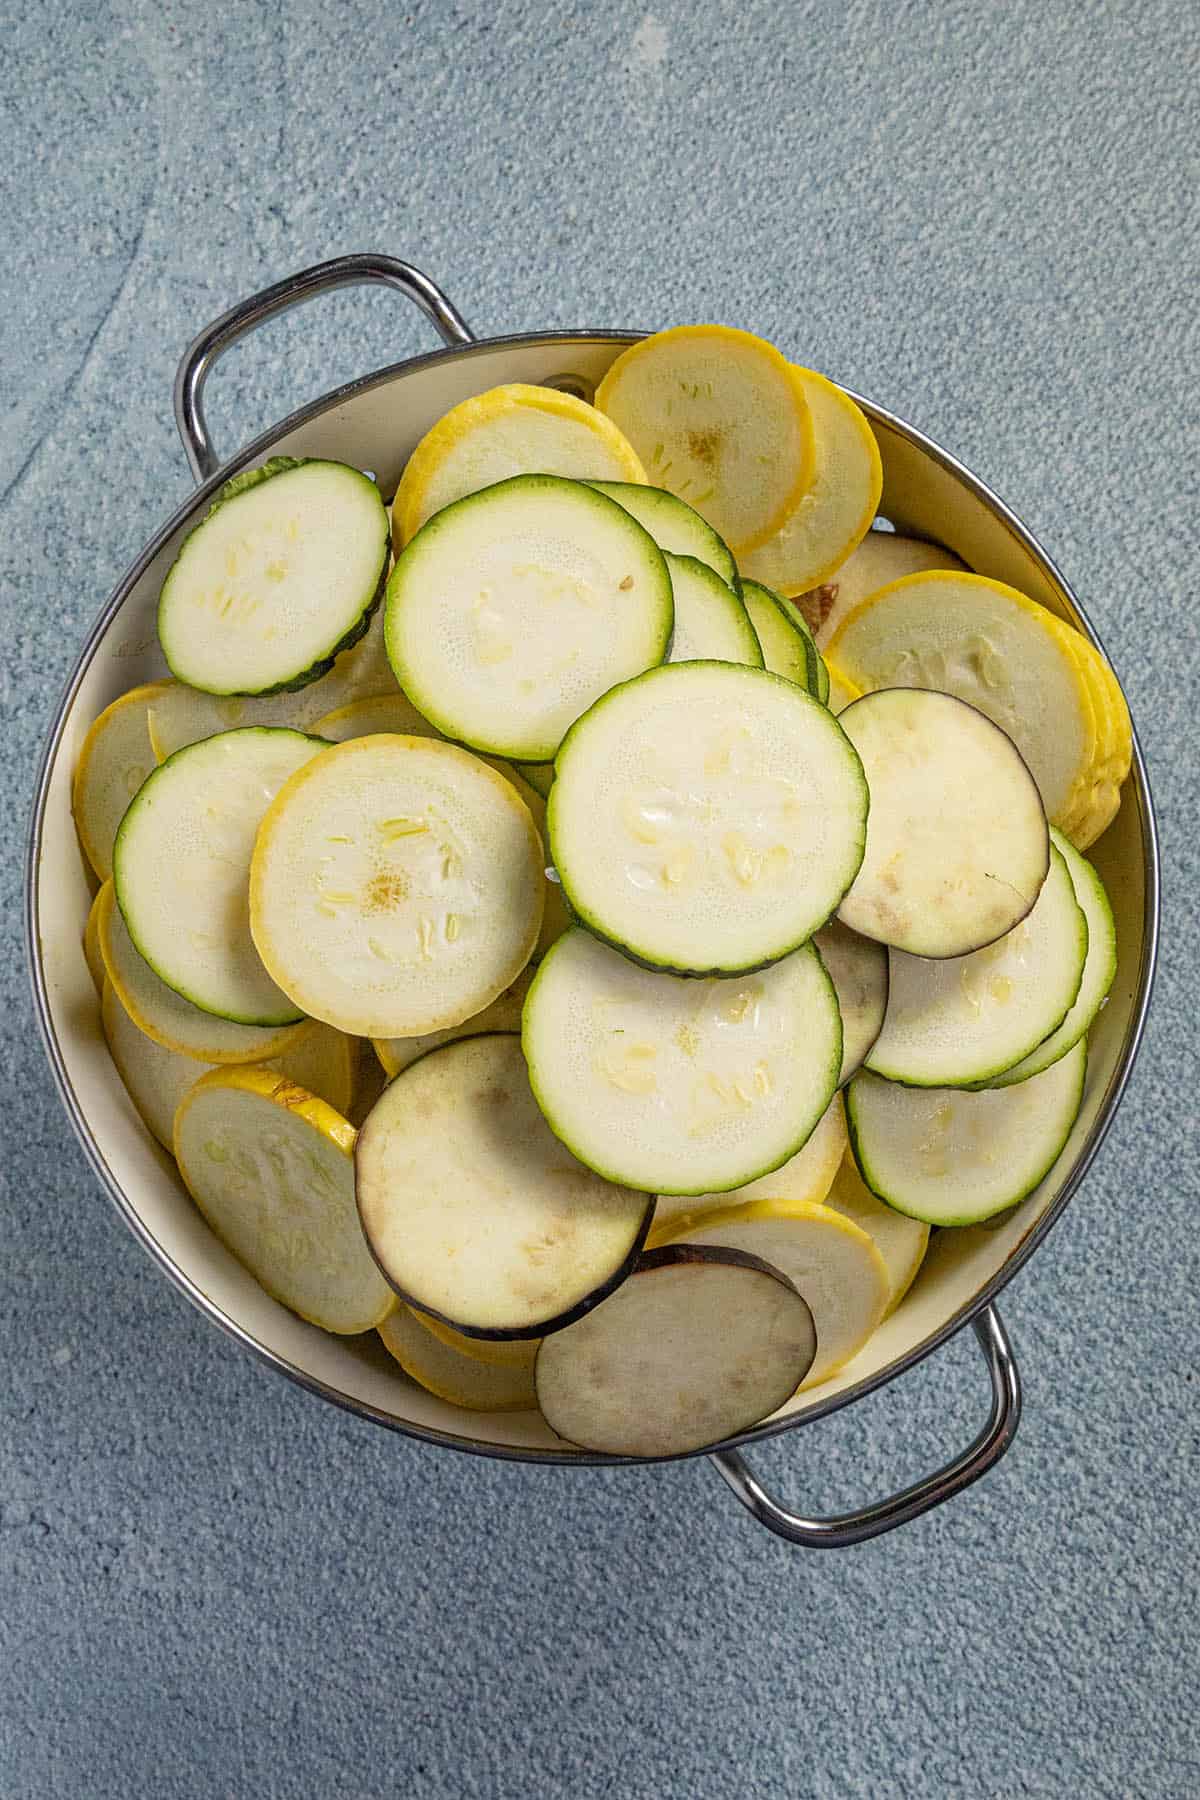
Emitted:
pixel 702 1343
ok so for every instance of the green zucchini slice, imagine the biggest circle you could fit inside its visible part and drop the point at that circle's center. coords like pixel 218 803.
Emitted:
pixel 181 868
pixel 706 818
pixel 511 611
pixel 1099 970
pixel 678 1086
pixel 281 574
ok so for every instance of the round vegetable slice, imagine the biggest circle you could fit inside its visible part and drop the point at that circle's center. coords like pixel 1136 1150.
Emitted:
pixel 396 887
pixel 512 610
pixel 858 969
pixel 517 429
pixel 786 643
pixel 674 525
pixel 1096 806
pixel 710 621
pixel 462 1380
pixel 839 503
pixel 698 1345
pixel 272 1170
pixel 393 713
pixel 962 1020
pixel 826 1257
pixel 706 817
pixel 805 1176
pixel 900 1241
pixel 995 649
pixel 170 1020
pixel 115 759
pixel 678 1086
pixel 719 418
pixel 955 1157
pixel 473 1209
pixel 157 1078
pixel 880 559
pixel 181 869
pixel 957 843
pixel 1099 970
pixel 281 573
pixel 504 1014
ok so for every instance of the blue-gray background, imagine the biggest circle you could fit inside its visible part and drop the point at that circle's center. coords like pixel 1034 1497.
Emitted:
pixel 979 215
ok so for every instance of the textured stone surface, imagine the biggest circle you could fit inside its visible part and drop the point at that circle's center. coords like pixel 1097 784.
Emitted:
pixel 213 1584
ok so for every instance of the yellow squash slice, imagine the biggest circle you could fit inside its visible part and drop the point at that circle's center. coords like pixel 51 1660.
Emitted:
pixel 512 430
pixel 396 886
pixel 806 1176
pixel 393 712
pixel 720 419
pixel 272 1169
pixel 180 715
pixel 508 1353
pixel 1097 805
pixel 116 757
pixel 836 510
pixel 433 1359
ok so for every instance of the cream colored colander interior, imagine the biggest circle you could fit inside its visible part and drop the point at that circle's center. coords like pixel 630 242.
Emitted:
pixel 374 425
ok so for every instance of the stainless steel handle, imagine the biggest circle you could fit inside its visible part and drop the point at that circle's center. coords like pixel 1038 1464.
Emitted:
pixel 856 1527
pixel 343 271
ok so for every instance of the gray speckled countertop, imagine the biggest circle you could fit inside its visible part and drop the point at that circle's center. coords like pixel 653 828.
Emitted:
pixel 215 1585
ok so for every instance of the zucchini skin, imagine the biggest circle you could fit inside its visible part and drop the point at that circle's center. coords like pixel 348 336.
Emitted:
pixel 240 484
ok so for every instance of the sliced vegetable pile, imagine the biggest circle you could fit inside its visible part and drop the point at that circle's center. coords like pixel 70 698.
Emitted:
pixel 703 866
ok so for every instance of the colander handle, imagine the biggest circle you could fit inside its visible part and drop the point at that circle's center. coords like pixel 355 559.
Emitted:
pixel 343 271
pixel 856 1527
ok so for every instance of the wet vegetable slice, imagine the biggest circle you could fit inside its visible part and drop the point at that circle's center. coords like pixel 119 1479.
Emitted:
pixel 707 818
pixel 679 1086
